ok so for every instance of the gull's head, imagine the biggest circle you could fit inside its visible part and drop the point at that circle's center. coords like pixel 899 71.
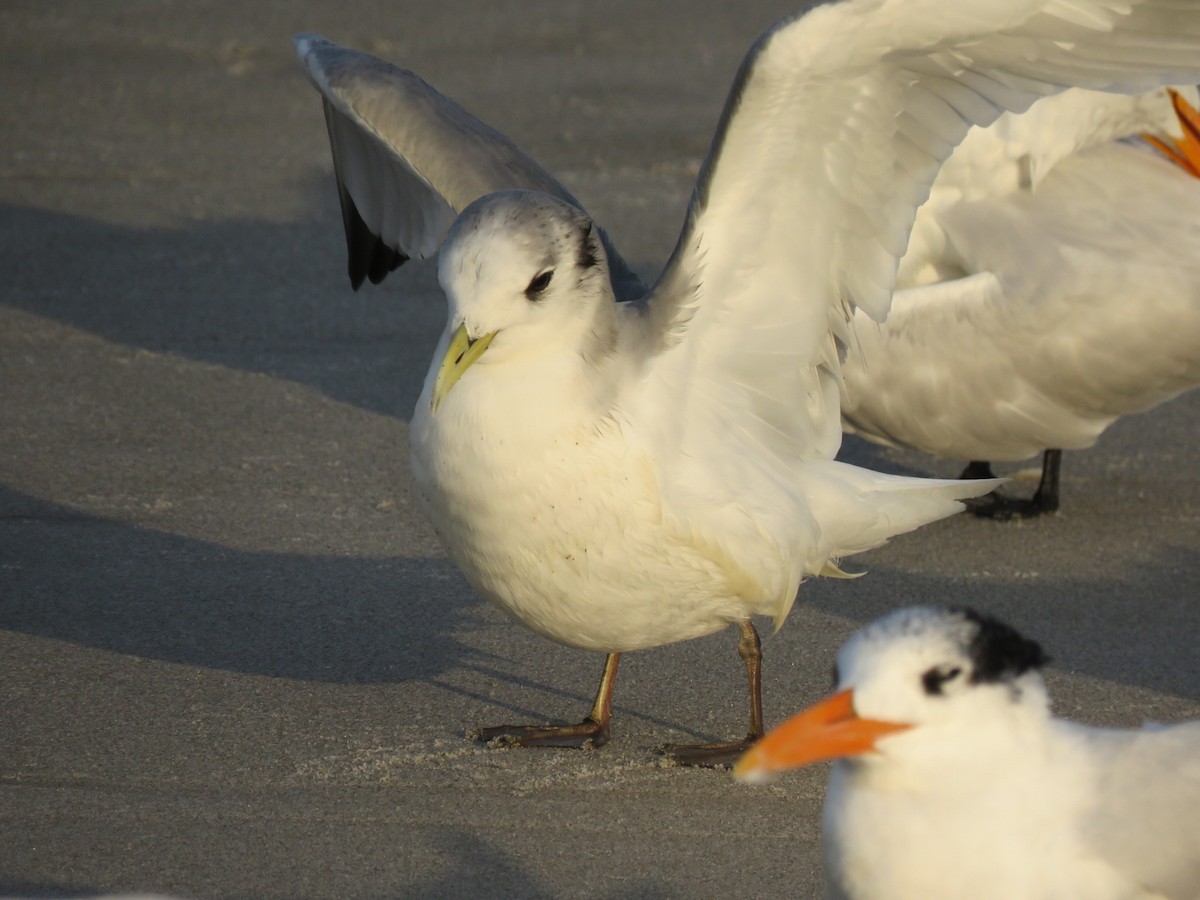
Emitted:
pixel 919 681
pixel 522 272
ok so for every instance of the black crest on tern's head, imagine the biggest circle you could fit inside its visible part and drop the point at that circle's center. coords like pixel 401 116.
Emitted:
pixel 947 646
pixel 999 652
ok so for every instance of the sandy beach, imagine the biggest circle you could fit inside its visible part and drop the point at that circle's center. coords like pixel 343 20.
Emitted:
pixel 234 660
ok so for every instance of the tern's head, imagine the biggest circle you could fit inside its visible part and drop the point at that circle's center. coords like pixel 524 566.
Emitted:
pixel 938 672
pixel 522 271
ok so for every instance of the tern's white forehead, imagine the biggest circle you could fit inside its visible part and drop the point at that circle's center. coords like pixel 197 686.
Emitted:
pixel 907 640
pixel 911 640
pixel 510 235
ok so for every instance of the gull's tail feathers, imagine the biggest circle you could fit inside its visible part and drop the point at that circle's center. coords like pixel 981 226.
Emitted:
pixel 881 506
pixel 858 509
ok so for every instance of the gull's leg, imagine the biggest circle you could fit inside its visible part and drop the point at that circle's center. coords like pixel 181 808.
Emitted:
pixel 591 732
pixel 750 650
pixel 726 754
pixel 997 506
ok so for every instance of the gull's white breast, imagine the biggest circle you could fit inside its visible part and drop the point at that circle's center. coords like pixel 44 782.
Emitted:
pixel 554 513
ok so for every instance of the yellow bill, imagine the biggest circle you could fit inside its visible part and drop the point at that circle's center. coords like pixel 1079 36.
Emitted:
pixel 460 355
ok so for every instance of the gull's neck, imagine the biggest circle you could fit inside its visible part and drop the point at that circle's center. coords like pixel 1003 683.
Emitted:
pixel 532 391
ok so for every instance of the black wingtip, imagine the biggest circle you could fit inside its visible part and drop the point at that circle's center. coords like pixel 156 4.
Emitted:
pixel 368 257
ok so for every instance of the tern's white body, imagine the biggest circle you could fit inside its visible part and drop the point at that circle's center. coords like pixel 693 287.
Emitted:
pixel 1051 285
pixel 1033 807
pixel 555 550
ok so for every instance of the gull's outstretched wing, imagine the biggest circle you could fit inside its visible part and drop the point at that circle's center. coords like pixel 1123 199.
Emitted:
pixel 835 128
pixel 408 160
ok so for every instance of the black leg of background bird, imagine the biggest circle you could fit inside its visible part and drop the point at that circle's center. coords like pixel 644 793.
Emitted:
pixel 978 468
pixel 987 506
pixel 727 753
pixel 1000 507
pixel 1046 498
pixel 591 732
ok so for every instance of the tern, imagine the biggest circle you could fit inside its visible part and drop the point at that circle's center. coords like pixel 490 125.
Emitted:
pixel 620 467
pixel 954 780
pixel 1051 285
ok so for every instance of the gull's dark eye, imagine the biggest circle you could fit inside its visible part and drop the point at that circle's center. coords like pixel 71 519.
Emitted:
pixel 540 282
pixel 937 677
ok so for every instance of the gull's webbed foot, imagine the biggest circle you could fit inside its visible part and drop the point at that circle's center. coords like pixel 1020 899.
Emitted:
pixel 713 756
pixel 591 732
pixel 587 733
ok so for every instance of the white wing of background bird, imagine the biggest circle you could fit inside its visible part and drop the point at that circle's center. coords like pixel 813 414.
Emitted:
pixel 1017 152
pixel 1033 318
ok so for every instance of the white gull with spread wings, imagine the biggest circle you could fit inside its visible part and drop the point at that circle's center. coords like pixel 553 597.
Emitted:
pixel 620 468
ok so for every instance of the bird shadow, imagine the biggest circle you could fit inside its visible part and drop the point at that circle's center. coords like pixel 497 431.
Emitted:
pixel 151 594
pixel 467 865
pixel 101 583
pixel 266 297
pixel 475 867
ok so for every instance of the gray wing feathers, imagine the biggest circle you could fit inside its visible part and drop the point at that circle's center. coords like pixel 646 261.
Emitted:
pixel 408 160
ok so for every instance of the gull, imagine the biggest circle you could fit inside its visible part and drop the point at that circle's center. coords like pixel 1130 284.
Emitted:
pixel 620 467
pixel 952 778
pixel 1051 285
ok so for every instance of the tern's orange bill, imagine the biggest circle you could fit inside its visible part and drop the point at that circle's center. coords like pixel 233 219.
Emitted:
pixel 828 730
pixel 1183 151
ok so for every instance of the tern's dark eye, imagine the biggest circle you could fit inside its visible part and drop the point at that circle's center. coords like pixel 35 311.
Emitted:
pixel 540 282
pixel 937 677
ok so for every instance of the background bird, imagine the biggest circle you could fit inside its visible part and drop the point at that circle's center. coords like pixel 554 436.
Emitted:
pixel 620 468
pixel 954 780
pixel 1051 285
